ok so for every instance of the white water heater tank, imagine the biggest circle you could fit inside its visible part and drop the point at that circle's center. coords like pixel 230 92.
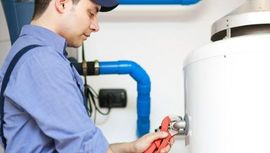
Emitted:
pixel 227 85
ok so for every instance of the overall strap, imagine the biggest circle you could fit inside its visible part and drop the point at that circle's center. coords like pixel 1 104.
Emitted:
pixel 5 82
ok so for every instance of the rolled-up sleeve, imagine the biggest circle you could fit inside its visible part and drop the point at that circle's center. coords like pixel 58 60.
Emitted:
pixel 46 89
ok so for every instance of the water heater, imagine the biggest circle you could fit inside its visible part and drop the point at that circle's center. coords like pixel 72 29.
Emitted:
pixel 227 84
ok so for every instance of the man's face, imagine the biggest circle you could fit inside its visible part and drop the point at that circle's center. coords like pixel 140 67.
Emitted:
pixel 80 20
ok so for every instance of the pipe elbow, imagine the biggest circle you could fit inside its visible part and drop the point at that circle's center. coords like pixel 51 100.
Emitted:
pixel 139 74
pixel 125 67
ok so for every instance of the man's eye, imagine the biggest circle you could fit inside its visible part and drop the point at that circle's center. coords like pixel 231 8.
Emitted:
pixel 91 14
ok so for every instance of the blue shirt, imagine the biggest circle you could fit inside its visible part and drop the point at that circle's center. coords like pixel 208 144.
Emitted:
pixel 44 110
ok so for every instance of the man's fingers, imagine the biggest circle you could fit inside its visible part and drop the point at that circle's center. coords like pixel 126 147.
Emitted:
pixel 156 135
pixel 166 149
pixel 172 141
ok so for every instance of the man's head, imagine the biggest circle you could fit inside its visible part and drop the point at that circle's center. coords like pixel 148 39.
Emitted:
pixel 74 20
pixel 106 5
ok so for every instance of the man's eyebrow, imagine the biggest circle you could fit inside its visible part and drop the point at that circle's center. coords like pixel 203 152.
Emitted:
pixel 96 9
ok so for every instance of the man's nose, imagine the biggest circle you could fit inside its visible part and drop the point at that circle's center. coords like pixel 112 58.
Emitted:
pixel 94 26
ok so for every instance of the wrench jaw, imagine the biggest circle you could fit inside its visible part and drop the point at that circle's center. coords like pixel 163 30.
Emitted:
pixel 178 125
pixel 174 125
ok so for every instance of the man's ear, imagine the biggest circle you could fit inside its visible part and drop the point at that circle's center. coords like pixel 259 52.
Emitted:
pixel 60 5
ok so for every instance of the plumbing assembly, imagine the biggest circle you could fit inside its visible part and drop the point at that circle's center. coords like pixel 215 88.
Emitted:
pixel 226 82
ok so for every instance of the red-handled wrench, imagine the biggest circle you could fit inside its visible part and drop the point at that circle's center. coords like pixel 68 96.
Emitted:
pixel 159 144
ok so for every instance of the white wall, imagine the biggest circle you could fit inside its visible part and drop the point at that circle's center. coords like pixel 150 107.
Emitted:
pixel 156 37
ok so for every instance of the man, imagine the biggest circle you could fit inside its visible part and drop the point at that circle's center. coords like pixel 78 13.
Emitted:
pixel 43 108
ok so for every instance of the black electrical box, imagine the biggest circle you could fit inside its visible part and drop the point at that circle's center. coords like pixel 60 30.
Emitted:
pixel 112 98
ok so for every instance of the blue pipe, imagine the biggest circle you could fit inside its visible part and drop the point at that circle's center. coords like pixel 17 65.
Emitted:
pixel 18 13
pixel 161 2
pixel 143 88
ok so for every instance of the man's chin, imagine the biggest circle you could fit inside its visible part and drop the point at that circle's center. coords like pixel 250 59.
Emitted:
pixel 75 45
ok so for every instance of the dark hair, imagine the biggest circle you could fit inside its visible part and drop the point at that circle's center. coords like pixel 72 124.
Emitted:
pixel 42 5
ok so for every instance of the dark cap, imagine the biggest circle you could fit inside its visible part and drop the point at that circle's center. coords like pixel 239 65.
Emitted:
pixel 107 5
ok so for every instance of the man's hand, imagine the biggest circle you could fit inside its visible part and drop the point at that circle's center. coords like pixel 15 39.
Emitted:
pixel 140 145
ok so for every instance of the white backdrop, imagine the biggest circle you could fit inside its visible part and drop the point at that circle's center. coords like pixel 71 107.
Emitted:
pixel 156 37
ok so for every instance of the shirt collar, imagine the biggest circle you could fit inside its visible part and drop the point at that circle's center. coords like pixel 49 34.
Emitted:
pixel 46 36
